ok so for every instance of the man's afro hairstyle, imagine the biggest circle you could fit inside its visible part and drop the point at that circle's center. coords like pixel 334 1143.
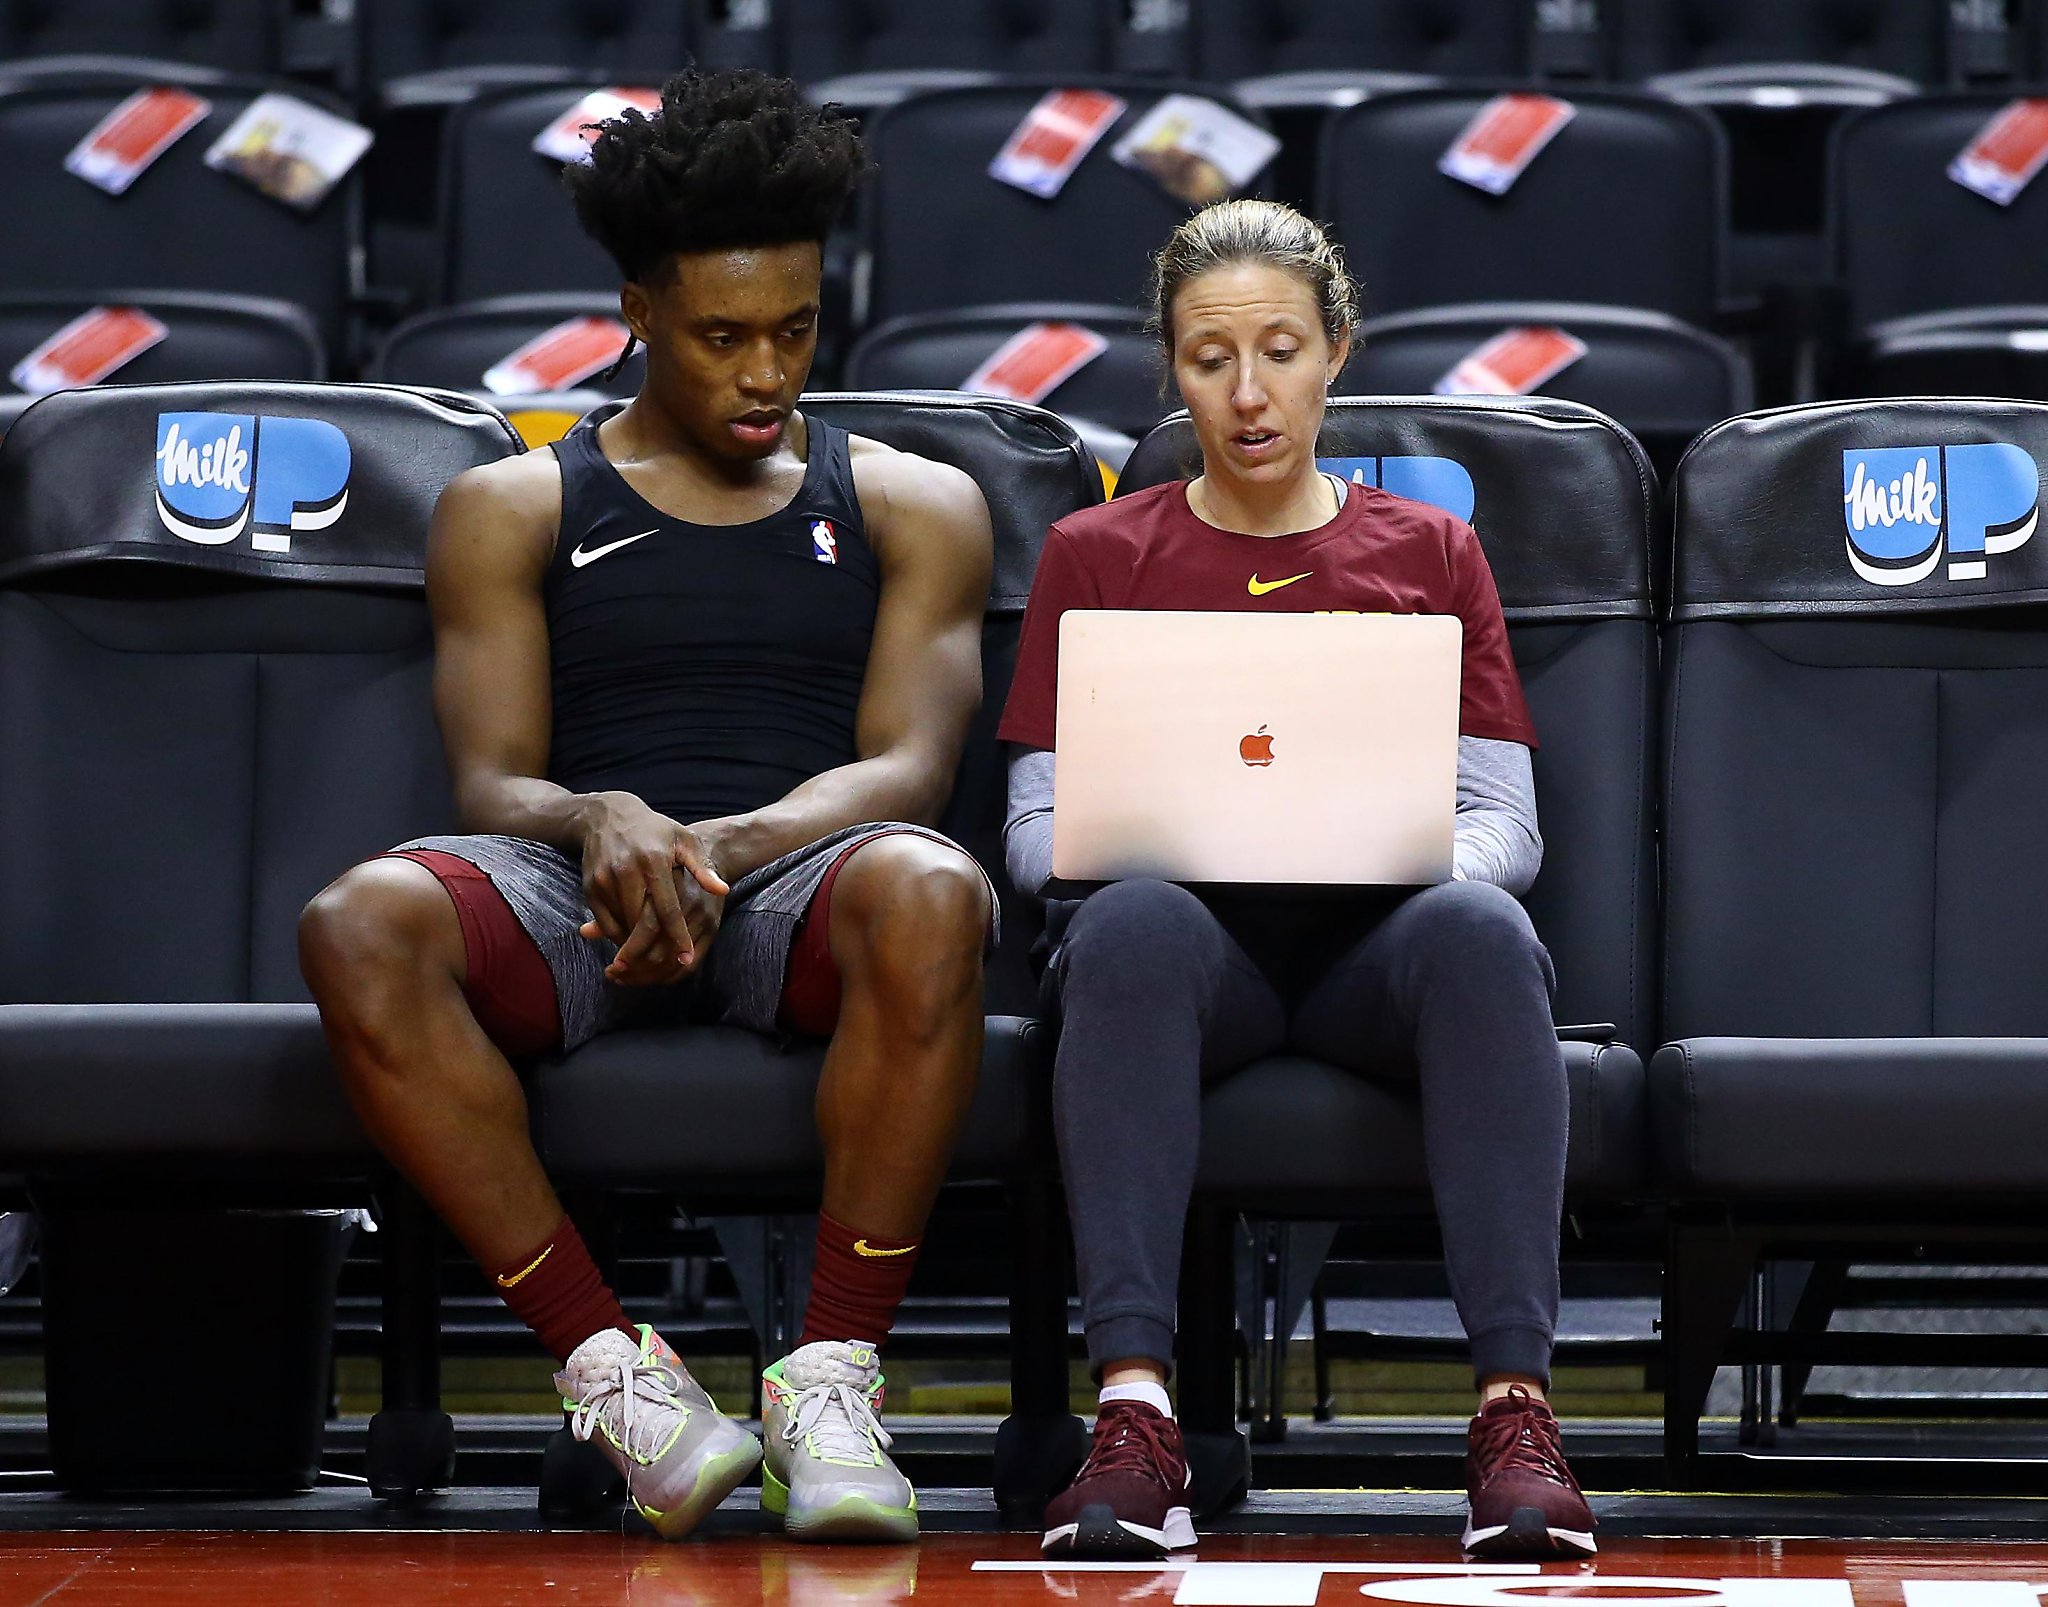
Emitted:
pixel 732 159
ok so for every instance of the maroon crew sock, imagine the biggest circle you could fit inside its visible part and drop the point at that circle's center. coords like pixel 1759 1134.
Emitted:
pixel 556 1291
pixel 857 1284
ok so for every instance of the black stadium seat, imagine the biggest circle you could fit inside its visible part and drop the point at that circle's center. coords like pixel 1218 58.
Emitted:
pixel 427 51
pixel 939 233
pixel 180 226
pixel 264 689
pixel 1912 244
pixel 1124 387
pixel 1561 499
pixel 1299 52
pixel 507 227
pixel 454 346
pixel 1857 715
pixel 1661 380
pixel 1416 238
pixel 209 337
pixel 870 53
pixel 248 36
pixel 1904 39
pixel 222 665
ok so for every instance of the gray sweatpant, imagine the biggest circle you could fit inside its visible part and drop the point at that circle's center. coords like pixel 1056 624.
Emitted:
pixel 1446 990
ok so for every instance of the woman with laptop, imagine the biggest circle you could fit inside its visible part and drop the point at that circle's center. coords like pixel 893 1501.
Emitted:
pixel 1161 986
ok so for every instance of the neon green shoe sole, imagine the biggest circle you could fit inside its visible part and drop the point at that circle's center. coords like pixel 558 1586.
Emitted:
pixel 716 1479
pixel 851 1517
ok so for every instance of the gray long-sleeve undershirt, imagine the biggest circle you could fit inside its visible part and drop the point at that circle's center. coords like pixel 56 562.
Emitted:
pixel 1495 839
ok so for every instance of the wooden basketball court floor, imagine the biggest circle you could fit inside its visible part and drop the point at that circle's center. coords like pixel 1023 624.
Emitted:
pixel 129 1563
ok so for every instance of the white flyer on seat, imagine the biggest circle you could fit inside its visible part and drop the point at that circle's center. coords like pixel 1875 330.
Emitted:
pixel 1198 149
pixel 289 149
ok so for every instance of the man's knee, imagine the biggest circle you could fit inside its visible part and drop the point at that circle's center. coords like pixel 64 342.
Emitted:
pixel 906 903
pixel 383 919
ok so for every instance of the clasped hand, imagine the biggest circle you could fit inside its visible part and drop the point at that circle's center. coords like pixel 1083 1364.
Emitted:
pixel 653 889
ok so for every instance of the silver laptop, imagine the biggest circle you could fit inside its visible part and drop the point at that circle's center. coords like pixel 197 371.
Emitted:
pixel 1300 748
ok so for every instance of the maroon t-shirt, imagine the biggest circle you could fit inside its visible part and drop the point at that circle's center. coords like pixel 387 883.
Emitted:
pixel 1381 554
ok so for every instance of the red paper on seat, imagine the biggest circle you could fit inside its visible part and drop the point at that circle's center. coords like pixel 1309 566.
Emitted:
pixel 1503 139
pixel 1036 361
pixel 88 349
pixel 1513 363
pixel 558 358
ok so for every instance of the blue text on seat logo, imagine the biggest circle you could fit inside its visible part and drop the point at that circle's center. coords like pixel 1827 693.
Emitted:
pixel 1908 507
pixel 1440 482
pixel 219 472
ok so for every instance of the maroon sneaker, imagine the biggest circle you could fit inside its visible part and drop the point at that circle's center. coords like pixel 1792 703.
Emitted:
pixel 1525 1502
pixel 1130 1497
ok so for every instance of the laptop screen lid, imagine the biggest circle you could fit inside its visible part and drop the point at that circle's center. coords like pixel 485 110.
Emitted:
pixel 1256 748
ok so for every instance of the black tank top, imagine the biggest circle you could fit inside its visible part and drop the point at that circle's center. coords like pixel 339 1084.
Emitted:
pixel 707 669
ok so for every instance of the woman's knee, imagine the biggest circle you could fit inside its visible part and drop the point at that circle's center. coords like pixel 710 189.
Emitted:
pixel 1468 926
pixel 1143 916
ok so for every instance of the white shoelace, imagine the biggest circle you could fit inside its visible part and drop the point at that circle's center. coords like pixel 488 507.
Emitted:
pixel 627 1382
pixel 842 1425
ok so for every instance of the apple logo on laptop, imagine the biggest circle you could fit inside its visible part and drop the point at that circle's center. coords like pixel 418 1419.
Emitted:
pixel 1256 749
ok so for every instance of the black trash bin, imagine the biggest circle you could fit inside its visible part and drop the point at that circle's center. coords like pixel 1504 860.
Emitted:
pixel 188 1350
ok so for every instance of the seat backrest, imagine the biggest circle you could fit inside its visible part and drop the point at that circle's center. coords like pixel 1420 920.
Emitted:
pixel 507 225
pixel 1236 39
pixel 1906 37
pixel 1032 469
pixel 1908 238
pixel 648 39
pixel 829 38
pixel 180 226
pixel 213 677
pixel 1857 724
pixel 1123 386
pixel 1416 238
pixel 1661 380
pixel 453 347
pixel 1561 499
pixel 241 35
pixel 206 337
pixel 940 233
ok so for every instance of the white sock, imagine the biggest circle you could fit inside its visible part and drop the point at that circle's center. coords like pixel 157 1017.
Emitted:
pixel 1146 1392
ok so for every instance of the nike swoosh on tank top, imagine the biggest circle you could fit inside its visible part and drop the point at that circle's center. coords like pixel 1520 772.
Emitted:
pixel 707 669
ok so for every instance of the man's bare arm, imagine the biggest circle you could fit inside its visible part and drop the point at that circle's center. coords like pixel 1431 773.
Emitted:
pixel 929 528
pixel 487 555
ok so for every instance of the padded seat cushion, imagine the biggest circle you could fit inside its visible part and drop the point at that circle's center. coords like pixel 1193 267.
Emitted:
pixel 187 1091
pixel 1288 1125
pixel 1793 1118
pixel 667 1108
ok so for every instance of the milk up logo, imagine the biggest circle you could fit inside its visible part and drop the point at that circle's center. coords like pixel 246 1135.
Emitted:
pixel 1909 507
pixel 1441 482
pixel 219 473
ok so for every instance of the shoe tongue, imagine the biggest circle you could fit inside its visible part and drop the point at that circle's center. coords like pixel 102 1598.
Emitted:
pixel 602 1352
pixel 831 1361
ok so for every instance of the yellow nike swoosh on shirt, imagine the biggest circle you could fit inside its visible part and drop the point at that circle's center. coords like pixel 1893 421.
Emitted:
pixel 1259 588
pixel 860 1247
pixel 520 1276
